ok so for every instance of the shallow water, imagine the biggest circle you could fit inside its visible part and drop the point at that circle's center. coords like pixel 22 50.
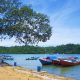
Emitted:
pixel 20 59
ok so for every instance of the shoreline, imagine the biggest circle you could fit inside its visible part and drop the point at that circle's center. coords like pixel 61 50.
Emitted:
pixel 20 73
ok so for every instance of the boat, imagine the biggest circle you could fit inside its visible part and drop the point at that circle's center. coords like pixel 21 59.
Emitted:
pixel 56 62
pixel 69 62
pixel 6 57
pixel 32 58
pixel 48 60
pixel 45 61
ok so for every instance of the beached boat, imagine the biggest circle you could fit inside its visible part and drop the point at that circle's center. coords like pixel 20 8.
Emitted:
pixel 69 62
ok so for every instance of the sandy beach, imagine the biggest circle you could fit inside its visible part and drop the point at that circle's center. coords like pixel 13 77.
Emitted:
pixel 18 73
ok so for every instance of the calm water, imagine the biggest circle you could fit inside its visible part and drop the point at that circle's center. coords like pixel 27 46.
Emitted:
pixel 73 72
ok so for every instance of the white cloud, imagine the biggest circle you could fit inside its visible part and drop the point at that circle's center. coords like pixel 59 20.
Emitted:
pixel 63 36
pixel 9 42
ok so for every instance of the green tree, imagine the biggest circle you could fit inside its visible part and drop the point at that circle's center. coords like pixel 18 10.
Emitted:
pixel 23 23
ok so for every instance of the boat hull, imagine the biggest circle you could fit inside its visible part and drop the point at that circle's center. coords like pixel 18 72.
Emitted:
pixel 56 62
pixel 67 63
pixel 45 62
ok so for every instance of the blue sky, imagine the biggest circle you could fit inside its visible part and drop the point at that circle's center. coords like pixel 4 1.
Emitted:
pixel 64 18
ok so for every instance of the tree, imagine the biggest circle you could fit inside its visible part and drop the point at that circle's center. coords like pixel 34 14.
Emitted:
pixel 23 23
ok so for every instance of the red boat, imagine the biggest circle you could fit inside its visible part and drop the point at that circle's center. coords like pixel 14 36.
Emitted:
pixel 69 62
pixel 56 62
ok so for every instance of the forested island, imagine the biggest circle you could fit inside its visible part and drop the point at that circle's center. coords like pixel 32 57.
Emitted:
pixel 66 49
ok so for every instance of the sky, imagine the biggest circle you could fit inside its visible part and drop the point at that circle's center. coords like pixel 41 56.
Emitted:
pixel 64 18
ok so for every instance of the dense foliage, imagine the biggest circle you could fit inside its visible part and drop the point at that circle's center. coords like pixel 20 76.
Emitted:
pixel 23 23
pixel 69 48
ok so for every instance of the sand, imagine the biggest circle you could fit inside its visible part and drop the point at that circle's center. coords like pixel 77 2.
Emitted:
pixel 18 73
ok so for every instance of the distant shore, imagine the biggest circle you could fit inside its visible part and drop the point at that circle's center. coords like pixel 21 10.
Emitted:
pixel 8 72
pixel 66 49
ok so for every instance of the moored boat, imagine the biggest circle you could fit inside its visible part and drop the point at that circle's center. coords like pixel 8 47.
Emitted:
pixel 45 61
pixel 56 62
pixel 6 57
pixel 48 60
pixel 32 58
pixel 69 62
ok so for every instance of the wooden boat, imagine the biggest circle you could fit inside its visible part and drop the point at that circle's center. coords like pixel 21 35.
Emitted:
pixel 56 62
pixel 45 61
pixel 69 62
pixel 48 60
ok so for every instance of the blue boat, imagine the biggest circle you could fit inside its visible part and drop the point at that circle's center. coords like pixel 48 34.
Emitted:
pixel 47 61
pixel 32 58
pixel 7 57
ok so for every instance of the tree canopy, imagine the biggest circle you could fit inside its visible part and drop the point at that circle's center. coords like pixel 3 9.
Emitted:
pixel 23 23
pixel 66 49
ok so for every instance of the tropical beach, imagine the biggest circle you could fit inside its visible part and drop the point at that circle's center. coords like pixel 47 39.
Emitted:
pixel 20 64
pixel 39 39
pixel 8 72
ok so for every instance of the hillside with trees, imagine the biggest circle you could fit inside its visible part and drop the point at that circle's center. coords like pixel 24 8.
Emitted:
pixel 66 49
